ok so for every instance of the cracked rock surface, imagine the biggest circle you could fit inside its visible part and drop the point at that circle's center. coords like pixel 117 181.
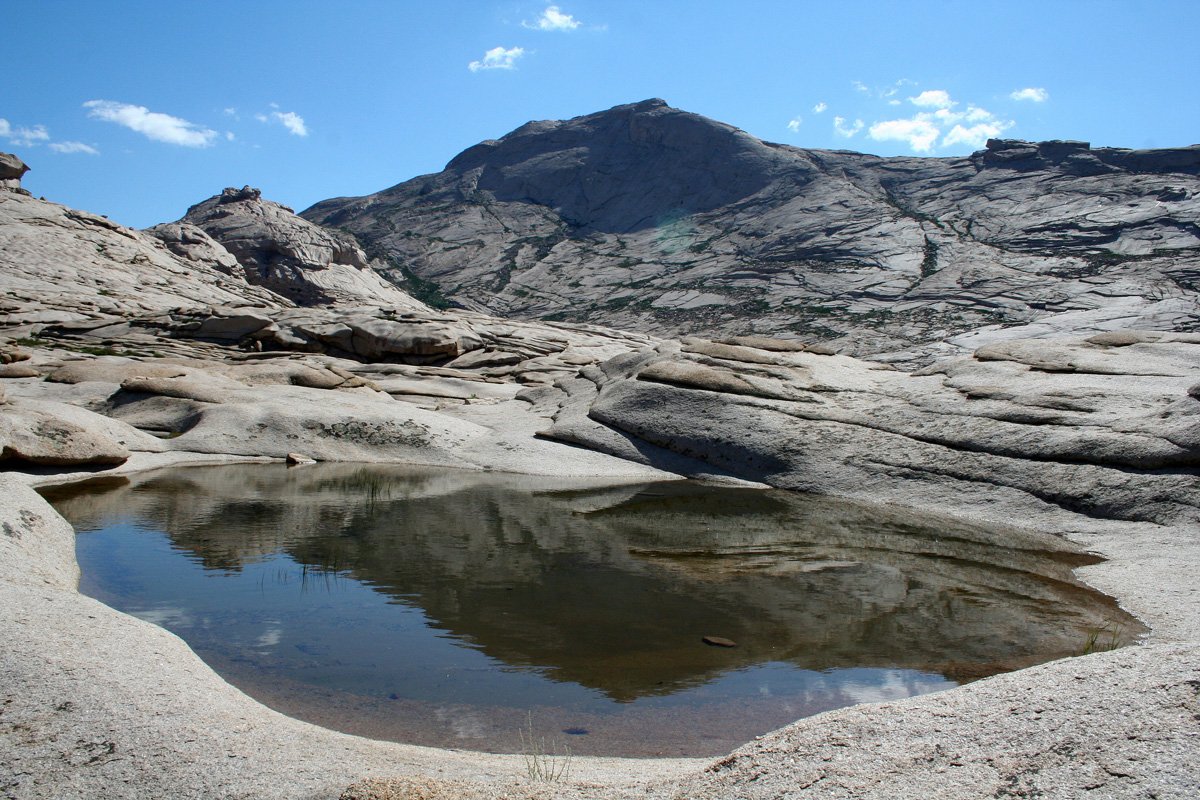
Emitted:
pixel 728 234
pixel 123 351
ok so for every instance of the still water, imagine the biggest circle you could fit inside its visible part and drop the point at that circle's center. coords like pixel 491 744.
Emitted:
pixel 454 608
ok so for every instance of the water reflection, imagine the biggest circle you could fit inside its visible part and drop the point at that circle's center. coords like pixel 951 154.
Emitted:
pixel 479 595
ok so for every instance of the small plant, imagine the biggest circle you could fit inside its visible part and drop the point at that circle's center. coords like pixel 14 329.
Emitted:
pixel 540 764
pixel 1102 639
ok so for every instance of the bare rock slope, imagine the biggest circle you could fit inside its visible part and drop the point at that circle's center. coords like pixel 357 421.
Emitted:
pixel 650 218
pixel 121 350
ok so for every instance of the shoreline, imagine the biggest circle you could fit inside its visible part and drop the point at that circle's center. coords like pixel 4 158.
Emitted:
pixel 109 686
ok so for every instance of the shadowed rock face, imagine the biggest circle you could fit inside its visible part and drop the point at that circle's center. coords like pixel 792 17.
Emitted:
pixel 584 168
pixel 12 169
pixel 652 218
pixel 290 256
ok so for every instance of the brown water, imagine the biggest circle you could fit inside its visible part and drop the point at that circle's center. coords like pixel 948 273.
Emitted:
pixel 452 608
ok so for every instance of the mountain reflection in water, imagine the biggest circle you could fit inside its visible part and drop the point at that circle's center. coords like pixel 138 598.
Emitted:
pixel 440 606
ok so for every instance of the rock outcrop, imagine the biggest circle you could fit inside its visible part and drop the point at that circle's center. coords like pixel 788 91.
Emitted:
pixel 68 267
pixel 279 251
pixel 12 169
pixel 648 218
pixel 1069 431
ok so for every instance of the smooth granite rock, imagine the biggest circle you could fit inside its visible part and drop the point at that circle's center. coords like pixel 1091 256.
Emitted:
pixel 305 263
pixel 188 346
pixel 645 217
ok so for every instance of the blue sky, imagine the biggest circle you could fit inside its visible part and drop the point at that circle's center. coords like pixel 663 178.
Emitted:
pixel 139 109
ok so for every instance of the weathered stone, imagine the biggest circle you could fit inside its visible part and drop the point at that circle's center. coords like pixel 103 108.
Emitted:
pixel 18 370
pixel 12 169
pixel 664 221
pixel 305 263
pixel 10 354
pixel 195 386
pixel 110 369
pixel 377 339
pixel 230 323
pixel 38 437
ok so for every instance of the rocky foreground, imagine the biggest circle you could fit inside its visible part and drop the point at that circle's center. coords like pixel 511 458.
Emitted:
pixel 245 332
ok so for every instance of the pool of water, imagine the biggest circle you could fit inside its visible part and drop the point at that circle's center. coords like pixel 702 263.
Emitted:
pixel 456 608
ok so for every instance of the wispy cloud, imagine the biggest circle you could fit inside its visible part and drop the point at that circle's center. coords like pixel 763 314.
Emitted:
pixel 288 119
pixel 151 124
pixel 883 93
pixel 794 124
pixel 73 147
pixel 1036 95
pixel 842 129
pixel 498 58
pixel 553 19
pixel 21 136
pixel 820 108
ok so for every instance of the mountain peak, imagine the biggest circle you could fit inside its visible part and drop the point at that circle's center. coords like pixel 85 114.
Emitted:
pixel 623 168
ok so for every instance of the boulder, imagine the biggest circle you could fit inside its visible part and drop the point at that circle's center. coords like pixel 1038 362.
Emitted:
pixel 43 439
pixel 230 323
pixel 10 354
pixel 12 167
pixel 381 339
pixel 18 370
pixel 11 171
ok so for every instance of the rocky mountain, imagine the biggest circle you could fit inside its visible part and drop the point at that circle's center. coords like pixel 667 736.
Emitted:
pixel 645 217
pixel 243 332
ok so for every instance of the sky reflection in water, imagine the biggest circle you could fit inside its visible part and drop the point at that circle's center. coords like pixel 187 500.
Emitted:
pixel 441 607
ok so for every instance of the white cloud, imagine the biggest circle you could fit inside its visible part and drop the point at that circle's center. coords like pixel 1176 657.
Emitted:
pixel 498 58
pixel 292 121
pixel 976 135
pixel 939 121
pixel 23 137
pixel 859 86
pixel 229 137
pixel 151 124
pixel 820 107
pixel 794 124
pixel 73 147
pixel 842 129
pixel 553 19
pixel 933 98
pixel 288 119
pixel 918 132
pixel 1037 95
pixel 231 112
